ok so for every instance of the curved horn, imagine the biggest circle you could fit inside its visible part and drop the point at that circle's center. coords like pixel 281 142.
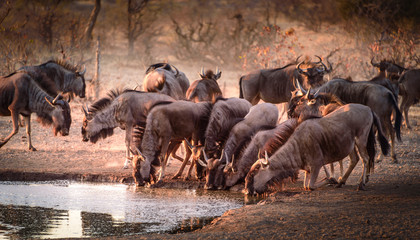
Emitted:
pixel 221 155
pixel 297 59
pixel 264 161
pixel 48 101
pixel 308 94
pixel 84 70
pixel 84 111
pixel 320 59
pixel 176 69
pixel 373 63
pixel 205 155
pixel 316 94
pixel 300 70
pixel 58 97
pixel 231 165
pixel 300 87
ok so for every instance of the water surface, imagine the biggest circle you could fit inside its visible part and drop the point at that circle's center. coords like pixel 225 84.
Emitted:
pixel 69 209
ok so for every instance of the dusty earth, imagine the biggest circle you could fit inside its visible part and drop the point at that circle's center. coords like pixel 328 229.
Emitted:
pixel 389 208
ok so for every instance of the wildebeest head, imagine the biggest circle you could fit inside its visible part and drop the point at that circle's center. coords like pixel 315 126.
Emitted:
pixel 314 73
pixel 304 104
pixel 215 177
pixel 61 116
pixel 388 66
pixel 79 83
pixel 256 181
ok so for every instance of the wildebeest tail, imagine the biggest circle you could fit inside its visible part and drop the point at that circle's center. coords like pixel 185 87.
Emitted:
pixel 241 94
pixel 398 117
pixel 381 138
pixel 371 149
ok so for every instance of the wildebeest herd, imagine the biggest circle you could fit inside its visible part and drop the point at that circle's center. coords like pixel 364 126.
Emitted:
pixel 228 140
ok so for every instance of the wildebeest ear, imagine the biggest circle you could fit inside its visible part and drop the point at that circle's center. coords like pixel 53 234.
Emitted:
pixel 218 74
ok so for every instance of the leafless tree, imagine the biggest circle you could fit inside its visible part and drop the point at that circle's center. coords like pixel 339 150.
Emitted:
pixel 91 23
pixel 136 10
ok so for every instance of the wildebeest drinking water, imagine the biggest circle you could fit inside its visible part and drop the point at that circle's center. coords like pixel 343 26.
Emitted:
pixel 20 94
pixel 316 142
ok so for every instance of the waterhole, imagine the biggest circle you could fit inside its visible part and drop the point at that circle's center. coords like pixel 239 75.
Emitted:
pixel 70 209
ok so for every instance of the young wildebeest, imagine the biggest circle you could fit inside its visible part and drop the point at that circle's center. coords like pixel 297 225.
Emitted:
pixel 57 76
pixel 409 83
pixel 19 94
pixel 205 89
pixel 163 79
pixel 259 117
pixel 168 122
pixel 126 109
pixel 377 97
pixel 316 142
pixel 276 85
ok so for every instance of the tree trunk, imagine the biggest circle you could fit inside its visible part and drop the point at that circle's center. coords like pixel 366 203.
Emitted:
pixel 91 23
pixel 95 82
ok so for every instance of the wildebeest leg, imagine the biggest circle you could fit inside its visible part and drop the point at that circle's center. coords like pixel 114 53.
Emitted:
pixel 173 152
pixel 173 146
pixel 391 132
pixel 404 109
pixel 128 138
pixel 306 180
pixel 365 157
pixel 27 120
pixel 15 128
pixel 164 150
pixel 354 159
pixel 314 175
pixel 184 163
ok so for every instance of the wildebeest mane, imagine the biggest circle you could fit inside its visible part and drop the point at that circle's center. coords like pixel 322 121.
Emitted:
pixel 44 119
pixel 281 137
pixel 62 63
pixel 106 101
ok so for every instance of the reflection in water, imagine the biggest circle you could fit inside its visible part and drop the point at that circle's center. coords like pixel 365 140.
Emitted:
pixel 57 210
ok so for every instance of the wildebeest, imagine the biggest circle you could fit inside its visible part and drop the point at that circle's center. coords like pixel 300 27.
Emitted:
pixel 166 79
pixel 278 135
pixel 377 97
pixel 276 85
pixel 57 76
pixel 167 122
pixel 225 114
pixel 316 142
pixel 205 89
pixel 409 83
pixel 260 116
pixel 126 109
pixel 387 66
pixel 20 94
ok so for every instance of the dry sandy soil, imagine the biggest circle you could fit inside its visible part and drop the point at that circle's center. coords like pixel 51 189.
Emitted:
pixel 389 208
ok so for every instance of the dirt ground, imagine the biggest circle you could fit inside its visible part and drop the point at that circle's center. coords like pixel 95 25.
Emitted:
pixel 389 208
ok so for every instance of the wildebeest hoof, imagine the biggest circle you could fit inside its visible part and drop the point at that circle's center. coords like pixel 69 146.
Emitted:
pixel 340 184
pixel 32 149
pixel 394 160
pixel 176 176
pixel 332 181
pixel 158 184
pixel 361 187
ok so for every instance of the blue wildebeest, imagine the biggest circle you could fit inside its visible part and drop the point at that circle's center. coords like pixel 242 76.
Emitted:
pixel 260 116
pixel 168 122
pixel 126 109
pixel 57 76
pixel 387 67
pixel 20 94
pixel 205 89
pixel 377 97
pixel 166 79
pixel 316 142
pixel 409 83
pixel 276 85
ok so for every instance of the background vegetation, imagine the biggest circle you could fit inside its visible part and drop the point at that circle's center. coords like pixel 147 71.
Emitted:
pixel 240 35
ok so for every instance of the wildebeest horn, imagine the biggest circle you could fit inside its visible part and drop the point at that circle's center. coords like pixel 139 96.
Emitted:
pixel 221 155
pixel 140 153
pixel 189 144
pixel 300 87
pixel 58 97
pixel 373 63
pixel 231 165
pixel 320 59
pixel 205 155
pixel 264 161
pixel 316 94
pixel 176 69
pixel 300 70
pixel 48 101
pixel 308 94
pixel 85 111
pixel 84 70
pixel 297 59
